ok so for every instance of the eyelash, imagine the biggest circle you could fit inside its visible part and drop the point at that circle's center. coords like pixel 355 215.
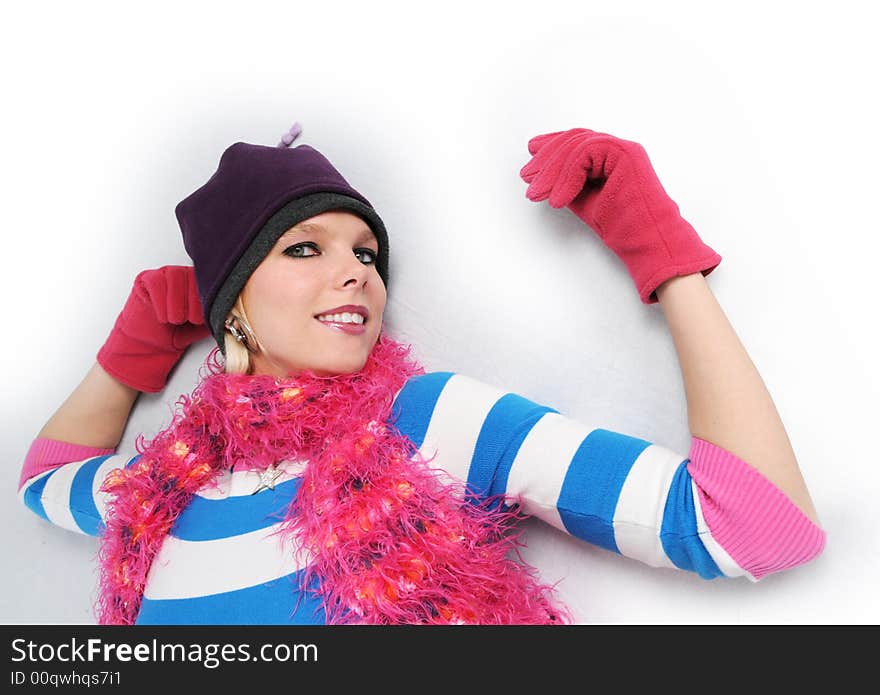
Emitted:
pixel 314 246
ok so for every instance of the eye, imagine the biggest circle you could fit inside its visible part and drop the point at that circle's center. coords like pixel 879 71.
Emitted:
pixel 373 254
pixel 293 250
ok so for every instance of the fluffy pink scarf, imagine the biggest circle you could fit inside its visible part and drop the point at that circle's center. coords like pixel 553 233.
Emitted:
pixel 385 540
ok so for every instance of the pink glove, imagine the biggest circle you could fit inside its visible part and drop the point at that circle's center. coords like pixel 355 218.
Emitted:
pixel 161 318
pixel 610 184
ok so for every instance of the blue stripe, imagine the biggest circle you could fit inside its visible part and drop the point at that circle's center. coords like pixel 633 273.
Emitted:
pixel 414 406
pixel 33 494
pixel 678 532
pixel 593 483
pixel 271 603
pixel 207 519
pixel 82 501
pixel 133 460
pixel 506 427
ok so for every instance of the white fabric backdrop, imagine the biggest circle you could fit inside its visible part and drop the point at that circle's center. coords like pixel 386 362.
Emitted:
pixel 758 121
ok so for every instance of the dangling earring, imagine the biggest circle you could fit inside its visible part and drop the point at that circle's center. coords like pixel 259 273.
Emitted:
pixel 243 339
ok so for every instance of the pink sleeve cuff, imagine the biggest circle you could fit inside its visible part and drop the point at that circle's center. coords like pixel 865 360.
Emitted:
pixel 46 454
pixel 752 519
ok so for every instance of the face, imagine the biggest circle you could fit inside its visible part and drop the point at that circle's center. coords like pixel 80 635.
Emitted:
pixel 317 265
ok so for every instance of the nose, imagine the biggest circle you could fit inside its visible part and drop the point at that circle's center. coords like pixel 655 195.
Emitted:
pixel 354 271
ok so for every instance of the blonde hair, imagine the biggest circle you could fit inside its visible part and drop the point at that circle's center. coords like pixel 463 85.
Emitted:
pixel 238 357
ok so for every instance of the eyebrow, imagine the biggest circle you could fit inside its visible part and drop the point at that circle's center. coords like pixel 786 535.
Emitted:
pixel 315 228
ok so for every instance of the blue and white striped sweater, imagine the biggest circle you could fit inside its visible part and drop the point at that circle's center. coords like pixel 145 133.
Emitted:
pixel 221 563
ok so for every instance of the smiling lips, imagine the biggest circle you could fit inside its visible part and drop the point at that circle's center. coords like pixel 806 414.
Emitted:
pixel 348 318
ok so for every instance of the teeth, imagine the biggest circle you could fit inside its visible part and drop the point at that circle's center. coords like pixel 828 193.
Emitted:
pixel 342 318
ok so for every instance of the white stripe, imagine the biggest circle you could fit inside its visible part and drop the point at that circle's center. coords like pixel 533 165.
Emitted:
pixel 243 483
pixel 538 471
pixel 56 496
pixel 725 563
pixel 397 393
pixel 186 569
pixel 101 498
pixel 638 517
pixel 30 481
pixel 458 417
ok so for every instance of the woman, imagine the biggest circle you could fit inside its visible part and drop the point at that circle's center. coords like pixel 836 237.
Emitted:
pixel 316 474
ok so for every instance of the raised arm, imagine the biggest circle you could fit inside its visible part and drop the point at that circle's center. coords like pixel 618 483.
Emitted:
pixel 739 441
pixel 161 318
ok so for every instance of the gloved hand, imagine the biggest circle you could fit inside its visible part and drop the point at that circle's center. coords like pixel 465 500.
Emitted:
pixel 161 318
pixel 610 184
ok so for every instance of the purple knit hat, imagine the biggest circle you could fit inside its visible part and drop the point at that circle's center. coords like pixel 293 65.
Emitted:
pixel 258 192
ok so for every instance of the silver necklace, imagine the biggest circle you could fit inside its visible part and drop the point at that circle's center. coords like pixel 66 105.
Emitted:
pixel 268 478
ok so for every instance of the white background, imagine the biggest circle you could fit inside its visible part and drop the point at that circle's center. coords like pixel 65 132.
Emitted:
pixel 759 120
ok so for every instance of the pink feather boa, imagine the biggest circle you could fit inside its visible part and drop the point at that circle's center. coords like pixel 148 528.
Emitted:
pixel 385 540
